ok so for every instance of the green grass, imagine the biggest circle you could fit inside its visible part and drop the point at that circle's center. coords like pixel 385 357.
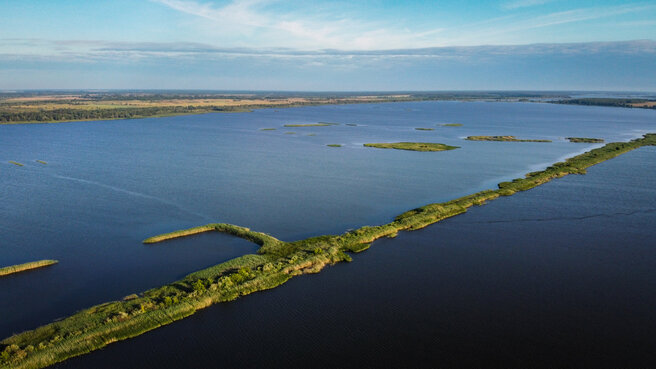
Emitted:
pixel 585 140
pixel 425 129
pixel 501 138
pixel 26 266
pixel 451 125
pixel 267 129
pixel 41 162
pixel 275 263
pixel 321 124
pixel 351 124
pixel 290 133
pixel 15 163
pixel 334 145
pixel 412 146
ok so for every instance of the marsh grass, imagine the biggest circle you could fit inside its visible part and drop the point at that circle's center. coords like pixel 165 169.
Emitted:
pixel 585 140
pixel 320 124
pixel 26 266
pixel 334 145
pixel 424 129
pixel 451 124
pixel 15 163
pixel 501 138
pixel 275 263
pixel 267 129
pixel 41 162
pixel 412 146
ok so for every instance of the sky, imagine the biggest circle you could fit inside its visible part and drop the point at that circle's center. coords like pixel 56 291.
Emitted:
pixel 367 45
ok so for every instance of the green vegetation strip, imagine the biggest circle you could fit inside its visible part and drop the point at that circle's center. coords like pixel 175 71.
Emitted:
pixel 585 140
pixel 41 162
pixel 322 124
pixel 501 138
pixel 412 146
pixel 15 163
pixel 425 129
pixel 276 262
pixel 334 145
pixel 451 125
pixel 267 129
pixel 26 266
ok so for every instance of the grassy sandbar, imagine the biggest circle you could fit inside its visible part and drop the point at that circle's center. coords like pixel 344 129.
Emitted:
pixel 322 124
pixel 26 266
pixel 585 140
pixel 412 146
pixel 501 138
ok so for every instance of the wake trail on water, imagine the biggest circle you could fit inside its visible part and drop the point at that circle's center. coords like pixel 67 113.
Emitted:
pixel 132 193
pixel 584 217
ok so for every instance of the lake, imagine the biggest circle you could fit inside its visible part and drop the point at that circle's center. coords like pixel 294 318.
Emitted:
pixel 108 185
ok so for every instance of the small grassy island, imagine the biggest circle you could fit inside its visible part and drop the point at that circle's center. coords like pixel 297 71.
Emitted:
pixel 275 263
pixel 267 129
pixel 41 162
pixel 413 146
pixel 451 125
pixel 585 140
pixel 425 129
pixel 15 163
pixel 334 145
pixel 320 124
pixel 501 138
pixel 26 266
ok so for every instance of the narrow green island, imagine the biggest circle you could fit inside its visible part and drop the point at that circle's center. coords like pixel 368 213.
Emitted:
pixel 15 163
pixel 451 125
pixel 275 263
pixel 25 266
pixel 334 145
pixel 351 124
pixel 501 138
pixel 290 133
pixel 267 129
pixel 585 140
pixel 425 129
pixel 41 162
pixel 320 124
pixel 413 146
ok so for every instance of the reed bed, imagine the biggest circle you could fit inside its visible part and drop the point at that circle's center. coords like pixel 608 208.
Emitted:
pixel 26 266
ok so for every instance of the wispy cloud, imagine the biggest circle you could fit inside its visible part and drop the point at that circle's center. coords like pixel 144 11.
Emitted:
pixel 524 3
pixel 259 23
pixel 93 51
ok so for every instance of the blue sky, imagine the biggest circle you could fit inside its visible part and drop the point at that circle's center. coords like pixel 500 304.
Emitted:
pixel 328 45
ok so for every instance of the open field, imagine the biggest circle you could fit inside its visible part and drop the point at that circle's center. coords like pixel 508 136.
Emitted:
pixel 52 106
pixel 69 107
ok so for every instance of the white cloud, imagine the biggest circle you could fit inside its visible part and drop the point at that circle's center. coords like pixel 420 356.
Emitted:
pixel 524 3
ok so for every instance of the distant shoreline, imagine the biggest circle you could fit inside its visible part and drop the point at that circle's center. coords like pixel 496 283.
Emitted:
pixel 34 108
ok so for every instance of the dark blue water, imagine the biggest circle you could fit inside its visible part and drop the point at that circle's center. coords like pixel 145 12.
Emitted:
pixel 108 185
pixel 563 275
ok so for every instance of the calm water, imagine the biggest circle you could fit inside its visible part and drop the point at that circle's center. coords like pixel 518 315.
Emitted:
pixel 561 276
pixel 108 185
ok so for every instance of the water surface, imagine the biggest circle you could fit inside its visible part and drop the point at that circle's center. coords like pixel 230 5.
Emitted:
pixel 109 185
